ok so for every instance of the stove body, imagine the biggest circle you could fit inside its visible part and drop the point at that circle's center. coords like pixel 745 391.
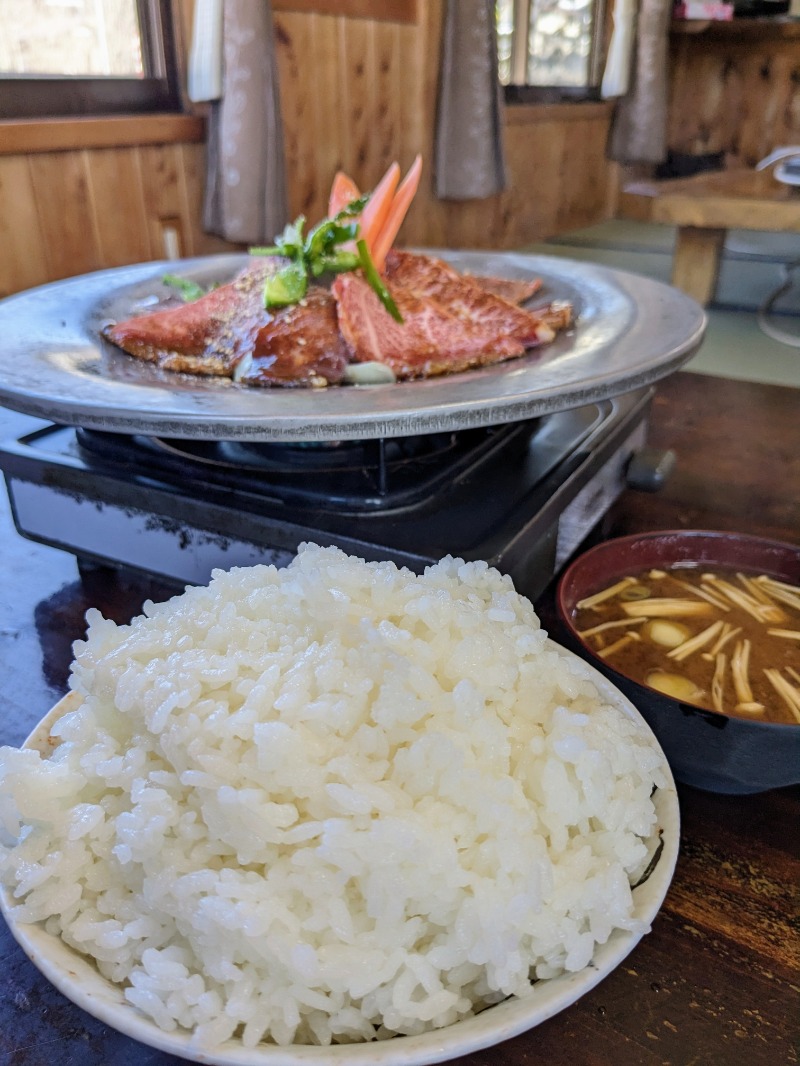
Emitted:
pixel 522 496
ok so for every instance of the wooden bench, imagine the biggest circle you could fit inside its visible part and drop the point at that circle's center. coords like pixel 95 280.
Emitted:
pixel 703 208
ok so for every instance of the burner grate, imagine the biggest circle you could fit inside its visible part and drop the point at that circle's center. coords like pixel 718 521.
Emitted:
pixel 343 476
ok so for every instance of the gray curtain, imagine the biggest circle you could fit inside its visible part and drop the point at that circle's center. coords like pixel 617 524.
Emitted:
pixel 246 199
pixel 468 156
pixel 639 128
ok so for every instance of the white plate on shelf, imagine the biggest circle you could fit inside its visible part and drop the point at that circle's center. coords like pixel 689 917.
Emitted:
pixel 78 979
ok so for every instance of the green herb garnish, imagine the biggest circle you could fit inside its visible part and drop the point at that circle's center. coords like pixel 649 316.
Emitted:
pixel 287 286
pixel 189 290
pixel 376 282
pixel 322 251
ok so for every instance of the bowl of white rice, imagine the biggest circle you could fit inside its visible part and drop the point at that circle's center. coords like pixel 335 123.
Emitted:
pixel 333 813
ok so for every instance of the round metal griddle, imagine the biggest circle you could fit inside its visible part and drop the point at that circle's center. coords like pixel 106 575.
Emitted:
pixel 629 331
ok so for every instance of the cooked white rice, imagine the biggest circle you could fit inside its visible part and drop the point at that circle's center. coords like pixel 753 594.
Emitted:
pixel 329 803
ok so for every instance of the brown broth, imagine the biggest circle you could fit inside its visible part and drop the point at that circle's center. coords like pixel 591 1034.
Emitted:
pixel 640 656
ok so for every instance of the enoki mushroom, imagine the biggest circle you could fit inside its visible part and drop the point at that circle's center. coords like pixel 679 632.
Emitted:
pixel 740 665
pixel 735 633
pixel 788 693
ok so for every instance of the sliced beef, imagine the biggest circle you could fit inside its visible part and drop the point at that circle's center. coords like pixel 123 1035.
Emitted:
pixel 557 315
pixel 302 345
pixel 229 333
pixel 450 323
pixel 208 336
pixel 429 341
pixel 511 289
pixel 430 278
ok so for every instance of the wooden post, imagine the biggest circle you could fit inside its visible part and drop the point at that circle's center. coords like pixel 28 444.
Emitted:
pixel 695 262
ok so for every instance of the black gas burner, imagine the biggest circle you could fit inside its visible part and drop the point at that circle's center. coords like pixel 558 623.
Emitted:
pixel 520 496
pixel 354 475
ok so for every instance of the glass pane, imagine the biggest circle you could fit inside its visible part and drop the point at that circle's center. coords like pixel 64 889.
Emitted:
pixel 87 38
pixel 560 42
pixel 504 14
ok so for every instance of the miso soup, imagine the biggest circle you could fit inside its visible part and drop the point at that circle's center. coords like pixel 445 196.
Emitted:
pixel 724 640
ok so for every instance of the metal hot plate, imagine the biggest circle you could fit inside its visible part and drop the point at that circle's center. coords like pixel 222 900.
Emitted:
pixel 629 332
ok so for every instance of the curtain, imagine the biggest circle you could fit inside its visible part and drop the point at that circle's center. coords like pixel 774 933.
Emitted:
pixel 468 155
pixel 617 72
pixel 639 128
pixel 245 196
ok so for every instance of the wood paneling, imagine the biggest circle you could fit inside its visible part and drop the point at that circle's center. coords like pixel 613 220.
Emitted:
pixel 295 39
pixel 23 262
pixel 347 85
pixel 558 179
pixel 66 213
pixel 735 91
pixel 162 197
pixel 62 193
pixel 388 10
pixel 117 194
pixel 356 94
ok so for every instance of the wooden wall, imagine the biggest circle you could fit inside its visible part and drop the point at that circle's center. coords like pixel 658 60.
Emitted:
pixel 356 93
pixel 71 212
pixel 735 88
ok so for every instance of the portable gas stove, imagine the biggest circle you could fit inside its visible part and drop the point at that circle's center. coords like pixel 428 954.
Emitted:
pixel 521 496
pixel 512 463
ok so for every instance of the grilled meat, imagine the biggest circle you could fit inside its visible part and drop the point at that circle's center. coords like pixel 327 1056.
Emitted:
pixel 302 345
pixel 450 322
pixel 208 336
pixel 429 341
pixel 460 295
pixel 511 289
pixel 229 333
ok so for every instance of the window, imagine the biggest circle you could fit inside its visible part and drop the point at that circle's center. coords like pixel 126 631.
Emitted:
pixel 550 49
pixel 86 57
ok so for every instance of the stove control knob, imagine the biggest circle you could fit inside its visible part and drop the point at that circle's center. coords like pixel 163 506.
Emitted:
pixel 649 468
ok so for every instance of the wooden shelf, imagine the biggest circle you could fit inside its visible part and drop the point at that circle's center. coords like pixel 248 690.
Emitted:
pixel 774 28
pixel 24 136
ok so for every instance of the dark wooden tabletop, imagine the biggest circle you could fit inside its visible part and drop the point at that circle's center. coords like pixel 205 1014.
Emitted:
pixel 715 982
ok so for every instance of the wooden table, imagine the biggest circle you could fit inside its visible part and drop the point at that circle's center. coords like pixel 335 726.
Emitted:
pixel 714 983
pixel 704 207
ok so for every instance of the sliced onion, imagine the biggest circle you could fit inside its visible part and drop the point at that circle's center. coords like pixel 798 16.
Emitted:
pixel 676 686
pixel 667 634
pixel 369 374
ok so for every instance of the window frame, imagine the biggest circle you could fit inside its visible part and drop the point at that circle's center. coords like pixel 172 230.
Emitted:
pixel 33 96
pixel 518 91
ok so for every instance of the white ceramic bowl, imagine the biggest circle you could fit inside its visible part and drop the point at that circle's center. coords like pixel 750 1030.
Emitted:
pixel 79 980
